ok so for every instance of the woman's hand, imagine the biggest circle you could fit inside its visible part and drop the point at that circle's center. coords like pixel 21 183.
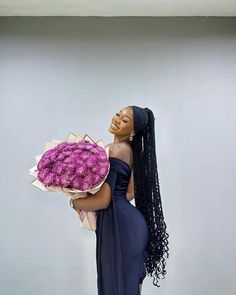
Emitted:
pixel 73 204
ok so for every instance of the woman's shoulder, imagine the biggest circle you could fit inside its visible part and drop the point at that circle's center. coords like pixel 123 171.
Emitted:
pixel 121 150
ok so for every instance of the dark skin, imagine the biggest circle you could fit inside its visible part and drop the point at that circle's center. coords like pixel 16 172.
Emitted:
pixel 120 148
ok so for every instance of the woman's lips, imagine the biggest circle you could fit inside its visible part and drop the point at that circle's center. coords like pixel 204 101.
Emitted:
pixel 114 126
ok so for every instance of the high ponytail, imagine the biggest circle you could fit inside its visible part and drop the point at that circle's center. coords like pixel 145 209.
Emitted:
pixel 147 192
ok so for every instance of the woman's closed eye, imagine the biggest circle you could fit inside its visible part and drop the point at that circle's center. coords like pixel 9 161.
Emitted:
pixel 123 120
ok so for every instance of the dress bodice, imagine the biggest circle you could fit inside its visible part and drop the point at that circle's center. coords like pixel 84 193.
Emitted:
pixel 123 173
pixel 120 165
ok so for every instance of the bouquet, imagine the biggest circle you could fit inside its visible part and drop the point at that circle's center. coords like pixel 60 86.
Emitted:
pixel 74 167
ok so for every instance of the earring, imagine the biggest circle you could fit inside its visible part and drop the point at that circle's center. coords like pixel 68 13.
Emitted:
pixel 131 137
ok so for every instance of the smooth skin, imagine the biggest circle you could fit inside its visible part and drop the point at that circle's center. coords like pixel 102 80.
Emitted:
pixel 120 148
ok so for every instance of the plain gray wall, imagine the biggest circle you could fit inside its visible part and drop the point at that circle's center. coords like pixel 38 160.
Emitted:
pixel 65 74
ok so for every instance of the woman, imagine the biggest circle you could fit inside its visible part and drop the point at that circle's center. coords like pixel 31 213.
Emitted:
pixel 131 241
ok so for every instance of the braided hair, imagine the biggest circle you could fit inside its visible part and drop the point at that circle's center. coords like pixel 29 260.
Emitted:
pixel 147 191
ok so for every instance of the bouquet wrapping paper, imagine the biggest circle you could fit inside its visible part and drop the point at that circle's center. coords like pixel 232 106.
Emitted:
pixel 87 218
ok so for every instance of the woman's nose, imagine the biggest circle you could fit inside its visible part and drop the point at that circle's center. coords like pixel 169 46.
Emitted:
pixel 115 120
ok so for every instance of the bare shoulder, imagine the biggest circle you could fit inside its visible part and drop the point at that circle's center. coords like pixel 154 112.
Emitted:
pixel 121 150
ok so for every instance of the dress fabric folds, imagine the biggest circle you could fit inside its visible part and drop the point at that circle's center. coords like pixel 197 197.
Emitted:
pixel 121 238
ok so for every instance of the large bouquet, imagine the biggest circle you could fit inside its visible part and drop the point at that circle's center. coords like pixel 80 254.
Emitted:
pixel 74 167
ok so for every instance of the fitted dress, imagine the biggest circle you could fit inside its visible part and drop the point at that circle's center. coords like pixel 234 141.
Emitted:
pixel 121 238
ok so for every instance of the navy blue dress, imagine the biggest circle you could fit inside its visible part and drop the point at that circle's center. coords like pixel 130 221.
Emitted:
pixel 121 238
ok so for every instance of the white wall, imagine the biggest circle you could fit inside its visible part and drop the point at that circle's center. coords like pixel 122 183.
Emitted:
pixel 71 74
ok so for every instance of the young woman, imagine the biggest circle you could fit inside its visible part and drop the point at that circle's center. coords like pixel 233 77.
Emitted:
pixel 131 240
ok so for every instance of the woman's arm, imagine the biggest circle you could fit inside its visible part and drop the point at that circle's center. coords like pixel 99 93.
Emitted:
pixel 93 202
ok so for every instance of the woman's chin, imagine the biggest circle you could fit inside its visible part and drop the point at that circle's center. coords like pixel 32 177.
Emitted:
pixel 111 130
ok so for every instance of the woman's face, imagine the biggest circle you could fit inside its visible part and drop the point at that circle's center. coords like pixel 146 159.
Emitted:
pixel 122 122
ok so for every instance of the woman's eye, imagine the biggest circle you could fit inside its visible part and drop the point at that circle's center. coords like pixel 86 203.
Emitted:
pixel 119 115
